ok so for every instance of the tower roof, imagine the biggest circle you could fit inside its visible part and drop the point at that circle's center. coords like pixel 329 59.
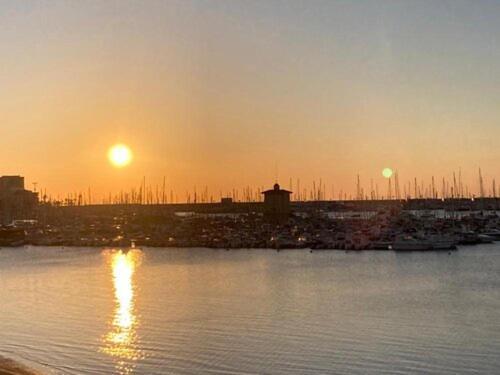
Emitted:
pixel 277 190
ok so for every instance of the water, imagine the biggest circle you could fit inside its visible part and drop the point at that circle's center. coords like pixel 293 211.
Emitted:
pixel 190 311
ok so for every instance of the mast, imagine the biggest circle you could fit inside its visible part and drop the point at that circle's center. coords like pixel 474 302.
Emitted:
pixel 455 190
pixel 389 190
pixel 481 186
pixel 358 189
pixel 460 184
pixel 396 186
pixel 163 192
pixel 433 188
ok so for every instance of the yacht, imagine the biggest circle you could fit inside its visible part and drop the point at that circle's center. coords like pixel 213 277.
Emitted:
pixel 410 243
pixel 431 242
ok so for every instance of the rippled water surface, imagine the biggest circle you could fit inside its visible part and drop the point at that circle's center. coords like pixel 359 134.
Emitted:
pixel 191 311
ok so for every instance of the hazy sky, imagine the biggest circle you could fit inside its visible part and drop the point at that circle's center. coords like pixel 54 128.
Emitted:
pixel 219 93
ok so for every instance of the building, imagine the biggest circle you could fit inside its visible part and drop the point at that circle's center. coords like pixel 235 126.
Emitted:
pixel 277 203
pixel 9 184
pixel 226 201
pixel 15 201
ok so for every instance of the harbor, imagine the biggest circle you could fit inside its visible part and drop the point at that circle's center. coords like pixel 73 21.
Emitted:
pixel 392 229
pixel 384 230
pixel 249 187
pixel 275 222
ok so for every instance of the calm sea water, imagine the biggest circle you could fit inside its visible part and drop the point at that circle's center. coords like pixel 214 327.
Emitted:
pixel 191 311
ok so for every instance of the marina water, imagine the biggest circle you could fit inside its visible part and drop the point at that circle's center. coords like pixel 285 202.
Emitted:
pixel 190 311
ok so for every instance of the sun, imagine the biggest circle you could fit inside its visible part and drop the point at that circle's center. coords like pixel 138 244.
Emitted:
pixel 120 155
pixel 387 172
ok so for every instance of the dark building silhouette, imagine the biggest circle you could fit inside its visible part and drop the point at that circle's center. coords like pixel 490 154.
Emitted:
pixel 9 184
pixel 277 203
pixel 226 201
pixel 15 201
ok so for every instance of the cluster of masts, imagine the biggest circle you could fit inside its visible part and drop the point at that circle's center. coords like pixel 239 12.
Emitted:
pixel 435 189
pixel 317 191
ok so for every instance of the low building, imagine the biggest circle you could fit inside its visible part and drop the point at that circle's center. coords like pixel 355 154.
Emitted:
pixel 226 201
pixel 277 203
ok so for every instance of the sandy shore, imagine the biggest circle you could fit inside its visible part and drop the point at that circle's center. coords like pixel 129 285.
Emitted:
pixel 10 367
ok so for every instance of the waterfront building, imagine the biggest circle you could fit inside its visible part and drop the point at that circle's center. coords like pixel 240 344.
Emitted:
pixel 226 201
pixel 9 184
pixel 15 201
pixel 277 203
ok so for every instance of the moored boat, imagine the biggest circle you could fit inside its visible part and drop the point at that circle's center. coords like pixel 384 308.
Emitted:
pixel 494 234
pixel 432 242
pixel 410 243
pixel 439 242
pixel 485 238
pixel 12 237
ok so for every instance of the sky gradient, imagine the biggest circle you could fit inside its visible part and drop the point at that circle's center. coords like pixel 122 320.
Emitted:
pixel 233 93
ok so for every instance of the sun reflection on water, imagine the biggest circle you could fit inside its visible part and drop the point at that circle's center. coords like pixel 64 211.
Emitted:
pixel 122 342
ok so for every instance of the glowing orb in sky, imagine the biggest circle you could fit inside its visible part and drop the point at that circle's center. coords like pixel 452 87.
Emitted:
pixel 120 155
pixel 387 172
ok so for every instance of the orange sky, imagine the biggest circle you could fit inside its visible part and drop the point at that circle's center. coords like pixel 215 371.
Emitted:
pixel 227 94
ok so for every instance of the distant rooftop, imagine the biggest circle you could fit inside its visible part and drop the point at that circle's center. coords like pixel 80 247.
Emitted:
pixel 277 189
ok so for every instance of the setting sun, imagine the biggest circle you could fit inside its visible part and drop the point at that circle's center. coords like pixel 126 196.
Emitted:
pixel 120 155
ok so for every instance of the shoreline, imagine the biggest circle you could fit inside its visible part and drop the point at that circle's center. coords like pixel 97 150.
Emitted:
pixel 271 249
pixel 11 367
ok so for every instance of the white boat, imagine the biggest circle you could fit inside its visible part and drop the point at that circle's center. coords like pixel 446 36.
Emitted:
pixel 432 242
pixel 494 234
pixel 410 243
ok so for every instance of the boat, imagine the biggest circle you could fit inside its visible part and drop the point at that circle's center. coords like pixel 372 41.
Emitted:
pixel 12 237
pixel 439 242
pixel 484 238
pixel 431 242
pixel 494 234
pixel 410 243
pixel 468 238
pixel 381 245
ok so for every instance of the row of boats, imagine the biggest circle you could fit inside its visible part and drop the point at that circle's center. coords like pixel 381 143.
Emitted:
pixel 441 242
pixel 414 243
pixel 397 231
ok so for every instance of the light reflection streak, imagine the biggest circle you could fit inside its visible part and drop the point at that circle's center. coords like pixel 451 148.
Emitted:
pixel 122 342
